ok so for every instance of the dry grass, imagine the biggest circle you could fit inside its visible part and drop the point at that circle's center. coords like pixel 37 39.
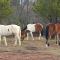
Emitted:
pixel 30 46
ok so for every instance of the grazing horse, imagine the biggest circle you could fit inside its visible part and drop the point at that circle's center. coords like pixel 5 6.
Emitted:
pixel 53 29
pixel 50 31
pixel 6 30
pixel 30 28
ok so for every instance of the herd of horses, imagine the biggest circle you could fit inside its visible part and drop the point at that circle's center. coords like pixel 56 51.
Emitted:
pixel 51 29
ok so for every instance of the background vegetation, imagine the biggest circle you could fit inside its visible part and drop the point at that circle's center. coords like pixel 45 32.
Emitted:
pixel 48 9
pixel 29 11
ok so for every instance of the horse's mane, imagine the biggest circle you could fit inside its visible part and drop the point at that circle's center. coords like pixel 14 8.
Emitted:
pixel 24 28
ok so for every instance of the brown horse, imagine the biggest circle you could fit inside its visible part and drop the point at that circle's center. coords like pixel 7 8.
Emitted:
pixel 52 29
pixel 23 34
pixel 30 28
pixel 57 29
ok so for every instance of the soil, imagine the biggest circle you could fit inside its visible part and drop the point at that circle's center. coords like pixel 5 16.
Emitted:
pixel 29 50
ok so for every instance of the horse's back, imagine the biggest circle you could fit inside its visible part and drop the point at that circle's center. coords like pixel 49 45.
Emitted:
pixel 57 25
pixel 31 27
pixel 38 27
pixel 35 27
pixel 4 30
pixel 15 28
pixel 9 29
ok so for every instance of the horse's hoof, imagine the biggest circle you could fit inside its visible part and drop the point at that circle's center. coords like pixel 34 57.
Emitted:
pixel 33 39
pixel 59 43
pixel 56 42
pixel 48 44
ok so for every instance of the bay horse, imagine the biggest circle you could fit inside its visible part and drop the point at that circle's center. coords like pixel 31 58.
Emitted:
pixel 52 29
pixel 30 28
pixel 6 30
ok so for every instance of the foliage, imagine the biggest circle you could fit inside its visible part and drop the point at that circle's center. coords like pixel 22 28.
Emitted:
pixel 5 9
pixel 47 8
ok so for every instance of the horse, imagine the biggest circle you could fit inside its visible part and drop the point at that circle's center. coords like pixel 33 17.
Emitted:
pixel 57 29
pixel 6 30
pixel 30 28
pixel 52 29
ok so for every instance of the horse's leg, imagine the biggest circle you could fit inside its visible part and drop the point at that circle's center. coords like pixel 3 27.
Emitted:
pixel 39 36
pixel 5 40
pixel 47 35
pixel 15 40
pixel 0 39
pixel 57 39
pixel 32 35
pixel 19 39
pixel 47 41
pixel 27 35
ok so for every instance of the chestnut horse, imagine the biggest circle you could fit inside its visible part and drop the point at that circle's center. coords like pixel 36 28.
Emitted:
pixel 30 28
pixel 57 29
pixel 52 29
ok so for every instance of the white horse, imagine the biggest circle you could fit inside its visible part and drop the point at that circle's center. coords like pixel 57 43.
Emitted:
pixel 6 30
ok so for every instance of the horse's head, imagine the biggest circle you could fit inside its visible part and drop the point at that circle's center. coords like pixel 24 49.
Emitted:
pixel 23 34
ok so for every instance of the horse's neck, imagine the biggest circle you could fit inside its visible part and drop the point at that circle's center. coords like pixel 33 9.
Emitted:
pixel 24 28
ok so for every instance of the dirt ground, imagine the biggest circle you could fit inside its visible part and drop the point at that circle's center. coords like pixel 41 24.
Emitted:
pixel 29 50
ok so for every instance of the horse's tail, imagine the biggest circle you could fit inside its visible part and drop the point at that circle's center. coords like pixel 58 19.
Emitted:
pixel 46 32
pixel 24 28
